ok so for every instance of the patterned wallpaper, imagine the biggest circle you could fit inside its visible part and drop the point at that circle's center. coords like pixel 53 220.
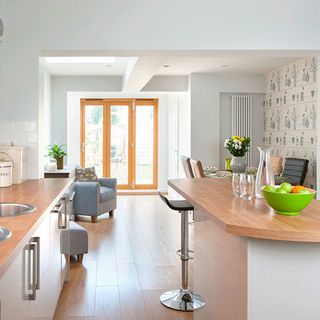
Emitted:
pixel 290 113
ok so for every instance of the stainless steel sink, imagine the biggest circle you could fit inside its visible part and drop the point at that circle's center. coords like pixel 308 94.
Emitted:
pixel 15 209
pixel 4 233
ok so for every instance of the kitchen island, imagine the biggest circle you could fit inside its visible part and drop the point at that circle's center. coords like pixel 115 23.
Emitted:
pixel 249 262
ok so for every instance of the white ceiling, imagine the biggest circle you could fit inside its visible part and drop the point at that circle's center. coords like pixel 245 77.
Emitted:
pixel 89 69
pixel 178 65
pixel 224 64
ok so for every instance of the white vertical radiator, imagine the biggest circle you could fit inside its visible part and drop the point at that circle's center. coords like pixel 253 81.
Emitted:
pixel 241 118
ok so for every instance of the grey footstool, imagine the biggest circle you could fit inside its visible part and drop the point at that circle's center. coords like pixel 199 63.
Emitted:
pixel 74 241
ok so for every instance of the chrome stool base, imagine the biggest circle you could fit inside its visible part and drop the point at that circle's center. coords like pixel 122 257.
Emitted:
pixel 182 300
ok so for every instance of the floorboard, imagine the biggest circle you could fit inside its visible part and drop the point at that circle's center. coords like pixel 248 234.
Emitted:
pixel 131 261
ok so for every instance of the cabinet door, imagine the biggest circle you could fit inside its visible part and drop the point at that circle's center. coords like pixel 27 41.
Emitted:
pixel 41 305
pixel 55 256
pixel 31 287
pixel 52 264
pixel 14 302
pixel 65 221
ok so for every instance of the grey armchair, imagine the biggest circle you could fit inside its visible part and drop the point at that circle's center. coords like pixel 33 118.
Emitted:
pixel 95 198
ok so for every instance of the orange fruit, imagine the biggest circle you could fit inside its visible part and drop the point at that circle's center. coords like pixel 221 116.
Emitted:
pixel 297 189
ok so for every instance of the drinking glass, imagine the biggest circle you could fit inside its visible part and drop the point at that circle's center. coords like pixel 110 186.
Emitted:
pixel 246 186
pixel 236 185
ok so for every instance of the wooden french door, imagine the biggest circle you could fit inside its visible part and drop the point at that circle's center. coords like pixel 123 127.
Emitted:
pixel 119 137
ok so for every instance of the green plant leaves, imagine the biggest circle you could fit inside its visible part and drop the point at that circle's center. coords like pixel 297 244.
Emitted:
pixel 56 151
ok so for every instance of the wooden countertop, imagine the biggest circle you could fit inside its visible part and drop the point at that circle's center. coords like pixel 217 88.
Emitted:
pixel 253 218
pixel 43 194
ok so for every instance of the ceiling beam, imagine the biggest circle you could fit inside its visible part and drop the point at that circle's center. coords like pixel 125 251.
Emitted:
pixel 139 72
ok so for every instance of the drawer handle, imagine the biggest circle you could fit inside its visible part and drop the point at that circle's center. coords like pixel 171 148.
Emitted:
pixel 62 224
pixel 30 256
pixel 65 225
pixel 36 241
pixel 57 208
pixel 72 196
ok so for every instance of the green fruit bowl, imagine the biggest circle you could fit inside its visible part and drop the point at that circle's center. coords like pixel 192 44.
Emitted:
pixel 289 204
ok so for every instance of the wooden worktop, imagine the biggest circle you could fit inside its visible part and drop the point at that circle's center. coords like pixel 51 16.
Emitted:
pixel 41 193
pixel 253 218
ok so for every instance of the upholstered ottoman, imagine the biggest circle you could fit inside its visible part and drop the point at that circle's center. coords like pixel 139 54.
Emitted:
pixel 74 241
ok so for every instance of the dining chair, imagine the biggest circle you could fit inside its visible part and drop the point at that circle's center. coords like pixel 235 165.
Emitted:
pixel 187 166
pixel 294 172
pixel 197 168
pixel 189 174
pixel 276 165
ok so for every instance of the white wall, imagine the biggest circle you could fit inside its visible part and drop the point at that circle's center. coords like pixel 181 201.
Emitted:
pixel 60 86
pixel 205 90
pixel 318 128
pixel 73 126
pixel 47 108
pixel 179 133
pixel 257 125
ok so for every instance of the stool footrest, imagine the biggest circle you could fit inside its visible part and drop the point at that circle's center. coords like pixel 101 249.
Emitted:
pixel 183 257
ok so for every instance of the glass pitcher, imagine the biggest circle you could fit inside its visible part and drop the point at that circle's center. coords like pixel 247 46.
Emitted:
pixel 265 174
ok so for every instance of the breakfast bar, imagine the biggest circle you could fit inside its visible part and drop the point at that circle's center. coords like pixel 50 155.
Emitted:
pixel 251 263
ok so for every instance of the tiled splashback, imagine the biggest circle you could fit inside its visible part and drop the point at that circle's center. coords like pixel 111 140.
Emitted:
pixel 290 112
pixel 23 133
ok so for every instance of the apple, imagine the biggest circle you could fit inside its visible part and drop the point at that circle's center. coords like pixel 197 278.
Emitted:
pixel 304 191
pixel 269 188
pixel 286 186
pixel 280 190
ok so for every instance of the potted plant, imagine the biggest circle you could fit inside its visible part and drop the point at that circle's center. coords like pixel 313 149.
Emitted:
pixel 56 151
pixel 238 147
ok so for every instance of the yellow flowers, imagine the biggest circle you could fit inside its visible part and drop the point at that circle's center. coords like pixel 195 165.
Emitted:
pixel 237 145
pixel 239 138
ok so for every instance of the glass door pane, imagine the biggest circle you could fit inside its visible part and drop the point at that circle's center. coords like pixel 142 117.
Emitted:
pixel 119 143
pixel 93 137
pixel 144 145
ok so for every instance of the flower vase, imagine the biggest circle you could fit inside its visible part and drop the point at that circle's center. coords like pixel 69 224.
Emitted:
pixel 238 164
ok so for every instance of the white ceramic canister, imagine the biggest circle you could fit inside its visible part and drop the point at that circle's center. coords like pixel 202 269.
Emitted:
pixel 5 173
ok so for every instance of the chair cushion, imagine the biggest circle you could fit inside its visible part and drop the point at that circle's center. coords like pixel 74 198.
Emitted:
pixel 86 175
pixel 107 194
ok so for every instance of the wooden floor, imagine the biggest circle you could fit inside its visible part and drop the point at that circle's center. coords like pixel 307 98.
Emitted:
pixel 131 261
